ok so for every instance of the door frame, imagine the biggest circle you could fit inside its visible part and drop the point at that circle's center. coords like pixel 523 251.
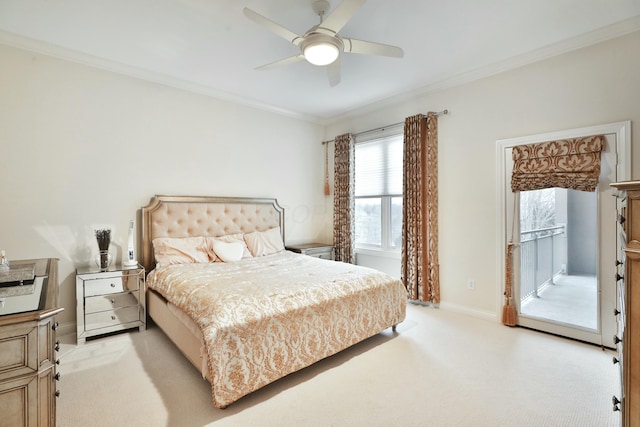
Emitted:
pixel 622 131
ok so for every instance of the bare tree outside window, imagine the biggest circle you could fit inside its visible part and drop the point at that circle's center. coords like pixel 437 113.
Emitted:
pixel 537 209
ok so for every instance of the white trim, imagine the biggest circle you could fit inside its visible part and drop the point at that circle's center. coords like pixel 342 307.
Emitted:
pixel 599 35
pixel 56 51
pixel 379 253
pixel 622 130
pixel 68 328
pixel 481 314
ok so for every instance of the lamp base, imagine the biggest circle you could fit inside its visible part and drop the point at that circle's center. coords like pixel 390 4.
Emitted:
pixel 130 263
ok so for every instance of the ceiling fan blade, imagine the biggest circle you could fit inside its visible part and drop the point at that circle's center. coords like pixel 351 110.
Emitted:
pixel 371 48
pixel 333 72
pixel 272 26
pixel 341 15
pixel 281 62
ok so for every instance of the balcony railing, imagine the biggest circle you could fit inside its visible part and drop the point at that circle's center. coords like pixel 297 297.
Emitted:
pixel 540 259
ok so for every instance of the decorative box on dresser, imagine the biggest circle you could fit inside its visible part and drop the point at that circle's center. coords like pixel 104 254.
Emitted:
pixel 318 250
pixel 628 309
pixel 109 301
pixel 28 349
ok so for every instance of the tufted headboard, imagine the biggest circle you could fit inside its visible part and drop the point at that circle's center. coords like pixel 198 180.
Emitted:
pixel 188 216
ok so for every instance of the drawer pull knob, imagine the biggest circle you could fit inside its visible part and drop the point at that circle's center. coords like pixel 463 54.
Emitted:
pixel 113 285
pixel 55 326
pixel 58 362
pixel 618 262
pixel 616 403
pixel 57 377
pixel 113 301
pixel 616 311
pixel 618 277
pixel 621 219
pixel 616 340
pixel 57 347
pixel 615 360
pixel 113 317
pixel 57 393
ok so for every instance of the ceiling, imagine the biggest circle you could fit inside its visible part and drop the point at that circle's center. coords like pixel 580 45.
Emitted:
pixel 210 47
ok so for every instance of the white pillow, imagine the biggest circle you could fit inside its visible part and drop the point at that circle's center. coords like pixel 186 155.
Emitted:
pixel 238 237
pixel 261 243
pixel 228 251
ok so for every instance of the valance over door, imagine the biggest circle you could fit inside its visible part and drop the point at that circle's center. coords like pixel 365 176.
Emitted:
pixel 566 163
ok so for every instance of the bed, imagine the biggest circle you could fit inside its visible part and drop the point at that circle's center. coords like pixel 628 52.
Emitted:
pixel 241 308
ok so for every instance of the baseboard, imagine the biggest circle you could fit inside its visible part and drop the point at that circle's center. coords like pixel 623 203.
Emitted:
pixel 67 329
pixel 486 315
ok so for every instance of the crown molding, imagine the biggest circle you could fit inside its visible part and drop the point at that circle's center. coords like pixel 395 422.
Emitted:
pixel 603 34
pixel 59 52
pixel 600 35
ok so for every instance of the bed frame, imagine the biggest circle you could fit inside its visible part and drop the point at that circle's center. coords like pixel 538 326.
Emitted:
pixel 187 216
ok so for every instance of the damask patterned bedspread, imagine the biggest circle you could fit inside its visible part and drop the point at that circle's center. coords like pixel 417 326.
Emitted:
pixel 263 318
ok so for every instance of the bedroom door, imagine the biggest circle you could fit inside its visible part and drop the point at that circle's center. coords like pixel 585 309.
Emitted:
pixel 602 327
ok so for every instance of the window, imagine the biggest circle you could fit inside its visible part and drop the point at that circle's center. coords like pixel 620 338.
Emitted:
pixel 378 193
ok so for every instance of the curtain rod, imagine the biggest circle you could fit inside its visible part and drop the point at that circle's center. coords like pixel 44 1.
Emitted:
pixel 439 113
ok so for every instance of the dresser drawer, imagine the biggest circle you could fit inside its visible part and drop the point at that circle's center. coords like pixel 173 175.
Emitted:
pixel 105 319
pixel 109 302
pixel 110 285
pixel 18 350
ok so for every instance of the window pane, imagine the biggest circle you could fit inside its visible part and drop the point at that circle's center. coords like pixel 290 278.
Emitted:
pixel 368 221
pixel 370 169
pixel 396 222
pixel 378 167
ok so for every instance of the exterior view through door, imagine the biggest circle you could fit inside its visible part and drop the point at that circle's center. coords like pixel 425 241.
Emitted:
pixel 564 235
pixel 558 256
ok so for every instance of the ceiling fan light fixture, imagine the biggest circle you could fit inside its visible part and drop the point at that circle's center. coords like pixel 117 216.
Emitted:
pixel 321 49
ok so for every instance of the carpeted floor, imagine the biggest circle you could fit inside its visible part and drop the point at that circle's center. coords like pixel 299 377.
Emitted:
pixel 441 368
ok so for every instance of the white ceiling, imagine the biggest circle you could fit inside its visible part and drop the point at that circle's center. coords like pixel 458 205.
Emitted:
pixel 210 47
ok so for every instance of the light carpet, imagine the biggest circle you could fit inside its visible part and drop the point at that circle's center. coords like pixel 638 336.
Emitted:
pixel 441 368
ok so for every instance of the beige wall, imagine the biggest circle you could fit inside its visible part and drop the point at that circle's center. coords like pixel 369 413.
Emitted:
pixel 82 148
pixel 595 85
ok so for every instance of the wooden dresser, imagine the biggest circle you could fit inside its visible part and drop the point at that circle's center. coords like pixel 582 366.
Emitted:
pixel 628 306
pixel 28 349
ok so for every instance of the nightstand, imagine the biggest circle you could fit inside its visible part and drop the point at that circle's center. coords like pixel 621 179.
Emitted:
pixel 318 250
pixel 109 301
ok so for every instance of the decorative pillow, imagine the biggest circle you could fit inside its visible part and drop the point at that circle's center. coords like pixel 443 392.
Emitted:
pixel 261 243
pixel 228 251
pixel 238 237
pixel 185 250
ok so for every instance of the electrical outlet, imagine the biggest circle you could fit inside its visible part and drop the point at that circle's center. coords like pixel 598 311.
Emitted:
pixel 471 285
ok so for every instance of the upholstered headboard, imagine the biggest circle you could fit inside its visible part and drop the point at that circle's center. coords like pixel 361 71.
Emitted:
pixel 188 216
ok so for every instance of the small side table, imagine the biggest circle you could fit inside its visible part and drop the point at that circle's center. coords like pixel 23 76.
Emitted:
pixel 109 301
pixel 318 250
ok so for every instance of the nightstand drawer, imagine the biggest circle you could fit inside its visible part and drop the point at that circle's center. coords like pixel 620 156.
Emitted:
pixel 109 302
pixel 110 285
pixel 105 319
pixel 317 250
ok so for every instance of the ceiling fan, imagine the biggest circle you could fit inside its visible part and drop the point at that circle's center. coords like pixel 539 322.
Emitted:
pixel 322 45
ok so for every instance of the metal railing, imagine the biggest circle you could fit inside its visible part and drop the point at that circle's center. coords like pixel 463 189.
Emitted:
pixel 540 260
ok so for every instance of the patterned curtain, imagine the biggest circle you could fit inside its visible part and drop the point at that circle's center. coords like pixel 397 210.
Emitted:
pixel 567 163
pixel 343 200
pixel 420 268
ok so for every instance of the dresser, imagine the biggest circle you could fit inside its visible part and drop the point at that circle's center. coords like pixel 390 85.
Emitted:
pixel 628 306
pixel 109 301
pixel 318 250
pixel 28 347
